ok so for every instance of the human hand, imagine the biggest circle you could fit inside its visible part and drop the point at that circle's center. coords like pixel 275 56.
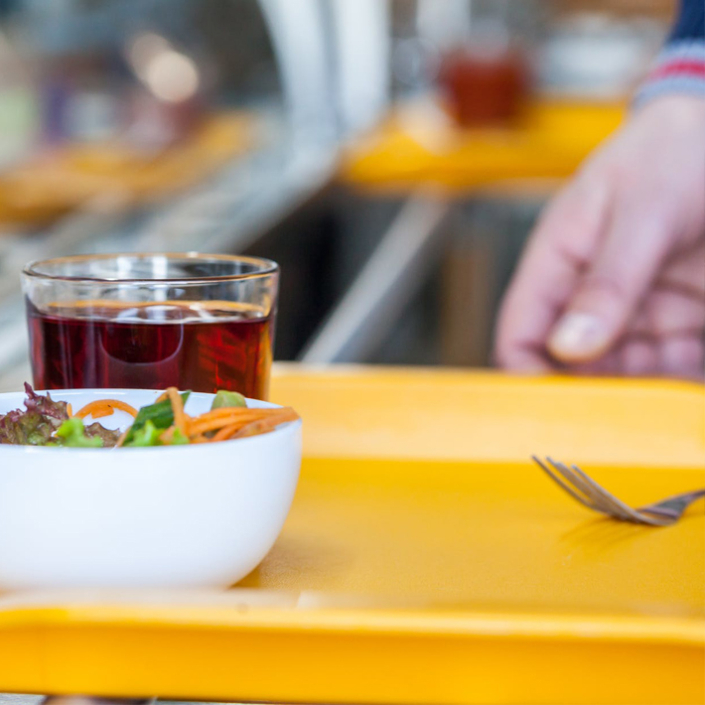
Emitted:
pixel 613 278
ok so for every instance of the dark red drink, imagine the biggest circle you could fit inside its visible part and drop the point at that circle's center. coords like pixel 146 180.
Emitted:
pixel 203 346
pixel 484 87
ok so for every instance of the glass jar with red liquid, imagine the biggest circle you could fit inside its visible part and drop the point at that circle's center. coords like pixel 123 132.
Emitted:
pixel 198 322
pixel 484 83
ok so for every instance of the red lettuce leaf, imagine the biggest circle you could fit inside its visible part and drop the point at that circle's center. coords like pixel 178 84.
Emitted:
pixel 45 405
pixel 36 425
pixel 110 438
pixel 26 428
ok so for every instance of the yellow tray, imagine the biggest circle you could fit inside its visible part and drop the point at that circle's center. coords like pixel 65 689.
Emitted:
pixel 425 560
pixel 413 147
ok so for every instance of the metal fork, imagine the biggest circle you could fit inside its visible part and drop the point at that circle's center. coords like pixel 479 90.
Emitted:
pixel 585 490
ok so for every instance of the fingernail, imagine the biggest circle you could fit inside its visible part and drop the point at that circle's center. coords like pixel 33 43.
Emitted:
pixel 577 337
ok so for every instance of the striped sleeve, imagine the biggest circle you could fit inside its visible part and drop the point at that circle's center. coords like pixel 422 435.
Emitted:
pixel 680 67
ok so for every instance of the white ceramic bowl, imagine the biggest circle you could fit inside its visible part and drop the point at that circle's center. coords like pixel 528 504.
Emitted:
pixel 187 516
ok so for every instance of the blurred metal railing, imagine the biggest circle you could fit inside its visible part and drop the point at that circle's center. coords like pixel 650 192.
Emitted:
pixel 406 255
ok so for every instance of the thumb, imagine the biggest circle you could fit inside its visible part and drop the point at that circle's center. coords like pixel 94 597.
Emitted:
pixel 625 265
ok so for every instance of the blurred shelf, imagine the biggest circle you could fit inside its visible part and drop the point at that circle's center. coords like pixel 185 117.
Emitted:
pixel 42 190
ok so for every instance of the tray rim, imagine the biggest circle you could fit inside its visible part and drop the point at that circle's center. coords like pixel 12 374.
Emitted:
pixel 568 626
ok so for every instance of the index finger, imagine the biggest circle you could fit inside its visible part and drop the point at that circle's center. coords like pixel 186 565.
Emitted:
pixel 560 247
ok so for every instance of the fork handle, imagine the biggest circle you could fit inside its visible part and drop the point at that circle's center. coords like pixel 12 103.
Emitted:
pixel 673 506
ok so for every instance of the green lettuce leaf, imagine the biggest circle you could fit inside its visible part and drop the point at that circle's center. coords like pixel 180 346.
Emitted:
pixel 72 434
pixel 160 414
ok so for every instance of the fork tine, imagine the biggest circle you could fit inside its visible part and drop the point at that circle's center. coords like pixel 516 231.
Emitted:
pixel 619 508
pixel 601 496
pixel 574 479
pixel 601 501
pixel 589 493
pixel 565 486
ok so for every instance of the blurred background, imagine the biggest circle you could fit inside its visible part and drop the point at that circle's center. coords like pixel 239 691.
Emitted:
pixel 391 155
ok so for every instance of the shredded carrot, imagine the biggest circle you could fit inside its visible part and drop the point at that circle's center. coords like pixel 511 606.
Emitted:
pixel 104 407
pixel 227 411
pixel 122 438
pixel 177 406
pixel 168 435
pixel 257 427
pixel 266 425
pixel 161 397
pixel 225 432
pixel 198 426
pixel 212 426
pixel 69 409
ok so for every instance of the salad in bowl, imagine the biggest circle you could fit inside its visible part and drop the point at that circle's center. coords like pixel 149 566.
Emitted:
pixel 52 423
pixel 141 488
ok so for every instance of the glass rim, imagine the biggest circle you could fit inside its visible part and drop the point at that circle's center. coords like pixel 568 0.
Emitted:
pixel 268 267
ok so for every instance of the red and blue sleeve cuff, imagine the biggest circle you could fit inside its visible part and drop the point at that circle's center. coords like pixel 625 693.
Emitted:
pixel 679 69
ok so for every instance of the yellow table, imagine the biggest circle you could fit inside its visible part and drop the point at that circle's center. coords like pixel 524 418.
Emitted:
pixel 414 145
pixel 426 560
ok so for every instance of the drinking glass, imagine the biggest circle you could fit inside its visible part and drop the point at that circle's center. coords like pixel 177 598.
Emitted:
pixel 193 321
